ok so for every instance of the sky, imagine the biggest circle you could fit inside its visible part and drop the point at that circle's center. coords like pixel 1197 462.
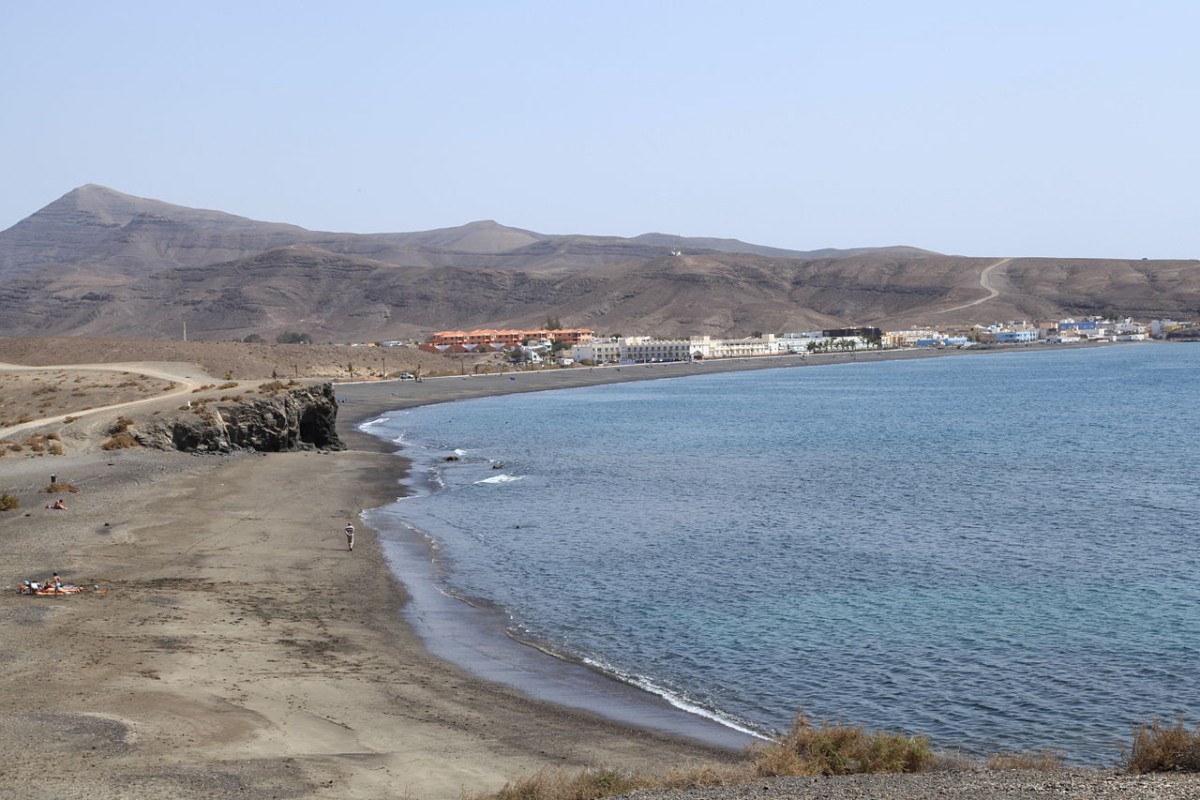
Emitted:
pixel 1011 128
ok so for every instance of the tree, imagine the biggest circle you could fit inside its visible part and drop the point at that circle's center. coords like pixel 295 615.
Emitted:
pixel 293 337
pixel 553 324
pixel 756 335
pixel 254 338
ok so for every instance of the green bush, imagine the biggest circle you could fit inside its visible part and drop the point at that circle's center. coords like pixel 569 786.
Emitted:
pixel 1158 747
pixel 293 337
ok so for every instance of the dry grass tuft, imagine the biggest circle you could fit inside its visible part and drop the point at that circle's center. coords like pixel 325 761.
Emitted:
pixel 119 441
pixel 1158 747
pixel 59 487
pixel 8 502
pixel 1041 760
pixel 593 784
pixel 836 749
pixel 559 784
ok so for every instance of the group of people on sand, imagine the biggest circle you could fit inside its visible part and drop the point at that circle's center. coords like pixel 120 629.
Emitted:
pixel 52 586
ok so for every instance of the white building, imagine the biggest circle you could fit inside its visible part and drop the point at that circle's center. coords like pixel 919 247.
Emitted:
pixel 644 349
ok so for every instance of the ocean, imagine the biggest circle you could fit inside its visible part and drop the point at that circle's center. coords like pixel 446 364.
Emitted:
pixel 996 550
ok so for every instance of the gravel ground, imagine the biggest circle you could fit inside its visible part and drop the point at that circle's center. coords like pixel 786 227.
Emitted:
pixel 982 785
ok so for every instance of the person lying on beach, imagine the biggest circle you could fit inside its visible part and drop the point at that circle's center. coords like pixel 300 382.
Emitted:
pixel 57 504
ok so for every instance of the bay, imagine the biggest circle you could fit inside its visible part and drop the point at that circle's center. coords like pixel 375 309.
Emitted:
pixel 996 550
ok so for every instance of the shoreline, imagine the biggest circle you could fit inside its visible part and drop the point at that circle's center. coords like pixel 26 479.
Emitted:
pixel 236 649
pixel 475 640
pixel 366 401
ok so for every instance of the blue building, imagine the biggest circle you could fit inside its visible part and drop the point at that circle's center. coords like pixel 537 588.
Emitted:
pixel 1017 336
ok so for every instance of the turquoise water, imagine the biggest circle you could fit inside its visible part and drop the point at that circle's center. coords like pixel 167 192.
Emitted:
pixel 998 550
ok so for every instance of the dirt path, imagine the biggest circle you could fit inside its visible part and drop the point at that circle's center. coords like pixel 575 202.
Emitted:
pixel 985 282
pixel 186 377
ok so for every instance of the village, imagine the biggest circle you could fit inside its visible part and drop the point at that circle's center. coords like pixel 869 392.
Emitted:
pixel 568 346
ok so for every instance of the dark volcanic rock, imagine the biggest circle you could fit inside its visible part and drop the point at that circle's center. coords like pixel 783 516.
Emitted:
pixel 300 419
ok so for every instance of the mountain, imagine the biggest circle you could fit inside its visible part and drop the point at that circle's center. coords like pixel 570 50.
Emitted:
pixel 97 262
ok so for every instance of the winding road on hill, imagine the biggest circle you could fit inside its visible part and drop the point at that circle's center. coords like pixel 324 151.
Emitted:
pixel 985 282
pixel 187 378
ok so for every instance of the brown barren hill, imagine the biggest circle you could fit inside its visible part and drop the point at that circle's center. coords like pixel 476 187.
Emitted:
pixel 100 263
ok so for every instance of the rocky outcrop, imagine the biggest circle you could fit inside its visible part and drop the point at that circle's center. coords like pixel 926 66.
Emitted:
pixel 298 419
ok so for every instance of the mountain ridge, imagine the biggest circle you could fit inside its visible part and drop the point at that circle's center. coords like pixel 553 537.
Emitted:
pixel 97 262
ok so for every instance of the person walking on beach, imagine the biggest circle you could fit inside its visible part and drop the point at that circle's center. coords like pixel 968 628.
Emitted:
pixel 349 536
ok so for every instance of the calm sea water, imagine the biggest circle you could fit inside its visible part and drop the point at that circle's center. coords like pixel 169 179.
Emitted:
pixel 998 550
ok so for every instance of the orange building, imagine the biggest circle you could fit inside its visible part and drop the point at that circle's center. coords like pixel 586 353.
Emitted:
pixel 507 338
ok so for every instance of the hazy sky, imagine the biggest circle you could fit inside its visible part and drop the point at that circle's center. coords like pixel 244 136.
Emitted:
pixel 977 128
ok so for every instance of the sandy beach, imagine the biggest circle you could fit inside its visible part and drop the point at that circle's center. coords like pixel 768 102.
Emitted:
pixel 236 648
pixel 228 645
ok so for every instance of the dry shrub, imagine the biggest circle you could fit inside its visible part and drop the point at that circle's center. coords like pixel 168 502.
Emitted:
pixel 1041 760
pixel 272 387
pixel 8 502
pixel 836 749
pixel 593 784
pixel 952 761
pixel 55 449
pixel 228 385
pixel 59 487
pixel 558 784
pixel 119 441
pixel 701 775
pixel 1159 747
pixel 120 426
pixel 69 420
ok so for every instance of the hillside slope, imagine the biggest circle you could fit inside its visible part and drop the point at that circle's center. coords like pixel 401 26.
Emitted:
pixel 100 263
